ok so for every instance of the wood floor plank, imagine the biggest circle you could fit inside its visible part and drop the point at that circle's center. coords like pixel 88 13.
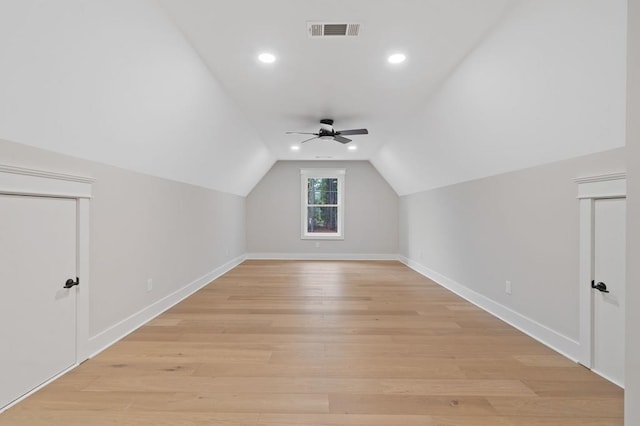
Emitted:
pixel 554 388
pixel 344 420
pixel 325 343
pixel 551 360
pixel 409 404
pixel 243 402
pixel 311 385
pixel 559 406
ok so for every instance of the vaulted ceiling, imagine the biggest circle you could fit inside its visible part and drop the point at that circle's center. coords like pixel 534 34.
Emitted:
pixel 525 99
pixel 173 88
pixel 347 78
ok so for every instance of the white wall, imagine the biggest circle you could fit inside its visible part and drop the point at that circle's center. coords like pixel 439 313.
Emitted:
pixel 143 227
pixel 116 82
pixel 546 84
pixel 632 376
pixel 521 226
pixel 371 212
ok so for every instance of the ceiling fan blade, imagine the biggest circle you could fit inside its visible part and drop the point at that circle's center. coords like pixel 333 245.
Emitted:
pixel 300 133
pixel 310 139
pixel 340 139
pixel 353 132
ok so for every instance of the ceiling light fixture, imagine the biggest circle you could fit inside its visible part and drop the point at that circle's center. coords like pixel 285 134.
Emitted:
pixel 295 148
pixel 352 148
pixel 267 58
pixel 397 58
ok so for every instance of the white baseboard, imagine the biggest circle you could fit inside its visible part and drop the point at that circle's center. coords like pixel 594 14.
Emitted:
pixel 108 337
pixel 556 341
pixel 321 256
pixel 604 376
pixel 37 388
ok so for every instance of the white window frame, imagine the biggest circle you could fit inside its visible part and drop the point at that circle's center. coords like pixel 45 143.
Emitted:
pixel 306 174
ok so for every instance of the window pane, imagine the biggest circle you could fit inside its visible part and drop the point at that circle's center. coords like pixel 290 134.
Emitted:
pixel 322 191
pixel 322 219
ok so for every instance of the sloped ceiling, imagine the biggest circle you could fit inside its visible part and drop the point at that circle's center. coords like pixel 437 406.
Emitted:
pixel 344 78
pixel 547 84
pixel 115 81
pixel 173 88
pixel 488 86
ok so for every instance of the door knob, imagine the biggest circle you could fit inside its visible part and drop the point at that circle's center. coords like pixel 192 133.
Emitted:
pixel 600 287
pixel 70 282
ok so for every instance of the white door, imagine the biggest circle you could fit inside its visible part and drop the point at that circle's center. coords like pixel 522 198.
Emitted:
pixel 37 315
pixel 608 303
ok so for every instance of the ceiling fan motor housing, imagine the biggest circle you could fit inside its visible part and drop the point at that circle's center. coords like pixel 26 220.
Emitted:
pixel 326 124
pixel 326 132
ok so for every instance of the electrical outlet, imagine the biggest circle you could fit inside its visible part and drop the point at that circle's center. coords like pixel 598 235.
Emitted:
pixel 149 284
pixel 507 287
pixel 227 251
pixel 317 243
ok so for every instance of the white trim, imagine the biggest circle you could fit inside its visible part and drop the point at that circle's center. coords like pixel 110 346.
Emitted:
pixel 545 335
pixel 323 173
pixel 305 175
pixel 37 388
pixel 82 290
pixel 585 275
pixel 604 376
pixel 323 236
pixel 22 181
pixel 321 256
pixel 612 185
pixel 4 168
pixel 590 189
pixel 113 334
pixel 30 182
pixel 601 178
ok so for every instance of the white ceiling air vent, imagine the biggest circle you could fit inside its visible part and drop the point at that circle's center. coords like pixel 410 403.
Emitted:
pixel 333 29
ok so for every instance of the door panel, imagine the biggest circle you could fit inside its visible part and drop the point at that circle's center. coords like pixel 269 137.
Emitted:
pixel 37 315
pixel 608 308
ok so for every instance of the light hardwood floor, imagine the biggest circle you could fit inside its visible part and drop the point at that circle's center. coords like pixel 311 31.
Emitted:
pixel 325 343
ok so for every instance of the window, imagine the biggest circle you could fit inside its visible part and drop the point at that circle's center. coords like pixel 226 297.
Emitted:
pixel 323 203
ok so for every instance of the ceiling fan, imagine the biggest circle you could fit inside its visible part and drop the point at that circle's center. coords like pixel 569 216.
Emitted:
pixel 328 132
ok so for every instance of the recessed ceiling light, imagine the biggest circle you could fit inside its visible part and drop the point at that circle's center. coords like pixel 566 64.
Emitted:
pixel 352 148
pixel 295 148
pixel 396 58
pixel 267 58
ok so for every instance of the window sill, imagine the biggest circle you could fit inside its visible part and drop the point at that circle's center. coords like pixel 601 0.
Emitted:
pixel 322 237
